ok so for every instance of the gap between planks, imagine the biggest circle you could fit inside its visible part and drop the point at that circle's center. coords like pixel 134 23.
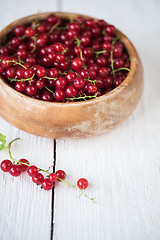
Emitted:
pixel 53 190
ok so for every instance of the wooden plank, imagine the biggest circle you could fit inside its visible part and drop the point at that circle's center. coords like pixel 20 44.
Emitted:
pixel 123 165
pixel 25 209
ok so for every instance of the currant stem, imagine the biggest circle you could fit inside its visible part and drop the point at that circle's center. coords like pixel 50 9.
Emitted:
pixel 50 78
pixel 9 149
pixel 21 80
pixel 36 22
pixel 112 61
pixel 100 52
pixel 54 27
pixel 16 63
pixel 84 97
pixel 73 186
pixel 49 90
pixel 81 55
pixel 35 45
pixel 78 41
pixel 120 69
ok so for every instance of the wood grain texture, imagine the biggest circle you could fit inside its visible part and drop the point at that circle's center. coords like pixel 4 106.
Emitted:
pixel 122 166
pixel 25 209
pixel 72 120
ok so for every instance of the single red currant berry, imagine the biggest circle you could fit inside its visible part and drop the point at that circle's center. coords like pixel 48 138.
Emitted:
pixel 53 72
pixel 15 170
pixel 22 53
pixel 40 83
pixel 117 82
pixel 19 31
pixel 77 64
pixel 47 96
pixel 59 95
pixel 6 62
pixel 110 30
pixel 71 34
pixel 23 166
pixel 29 31
pixel 70 91
pixel 38 178
pixel 47 184
pixel 70 77
pixel 103 72
pixel 92 74
pixel 32 171
pixel 82 183
pixel 31 60
pixel 87 52
pixel 10 72
pixel 79 82
pixel 28 73
pixel 41 42
pixel 31 90
pixel 85 40
pixel 117 52
pixel 20 86
pixel 107 46
pixel 92 88
pixel 75 26
pixel 20 73
pixel 119 63
pixel 108 82
pixel 60 58
pixel 101 61
pixel 96 31
pixel 53 177
pixel 4 50
pixel 99 82
pixel 41 71
pixel 52 19
pixel 60 83
pixel 6 165
pixel 60 175
pixel 90 23
pixel 15 42
pixel 84 73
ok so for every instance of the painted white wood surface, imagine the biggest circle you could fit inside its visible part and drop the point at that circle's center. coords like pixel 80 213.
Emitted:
pixel 122 166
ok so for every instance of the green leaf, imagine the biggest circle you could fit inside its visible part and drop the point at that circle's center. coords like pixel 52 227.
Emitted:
pixel 3 141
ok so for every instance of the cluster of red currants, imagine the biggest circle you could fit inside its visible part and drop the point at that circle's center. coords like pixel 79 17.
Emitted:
pixel 64 61
pixel 37 177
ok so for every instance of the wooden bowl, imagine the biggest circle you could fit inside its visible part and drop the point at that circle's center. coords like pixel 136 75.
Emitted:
pixel 77 119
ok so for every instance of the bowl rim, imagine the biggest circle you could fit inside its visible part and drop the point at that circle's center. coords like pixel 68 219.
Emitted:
pixel 128 45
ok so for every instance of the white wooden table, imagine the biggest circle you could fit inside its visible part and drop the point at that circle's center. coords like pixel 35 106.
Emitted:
pixel 122 166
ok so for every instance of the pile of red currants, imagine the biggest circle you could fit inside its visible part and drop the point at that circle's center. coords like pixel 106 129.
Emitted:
pixel 64 60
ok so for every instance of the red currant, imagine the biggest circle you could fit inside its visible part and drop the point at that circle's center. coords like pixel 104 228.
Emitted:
pixel 47 184
pixel 38 178
pixel 23 166
pixel 82 183
pixel 15 170
pixel 6 165
pixel 53 177
pixel 32 171
pixel 77 64
pixel 60 174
